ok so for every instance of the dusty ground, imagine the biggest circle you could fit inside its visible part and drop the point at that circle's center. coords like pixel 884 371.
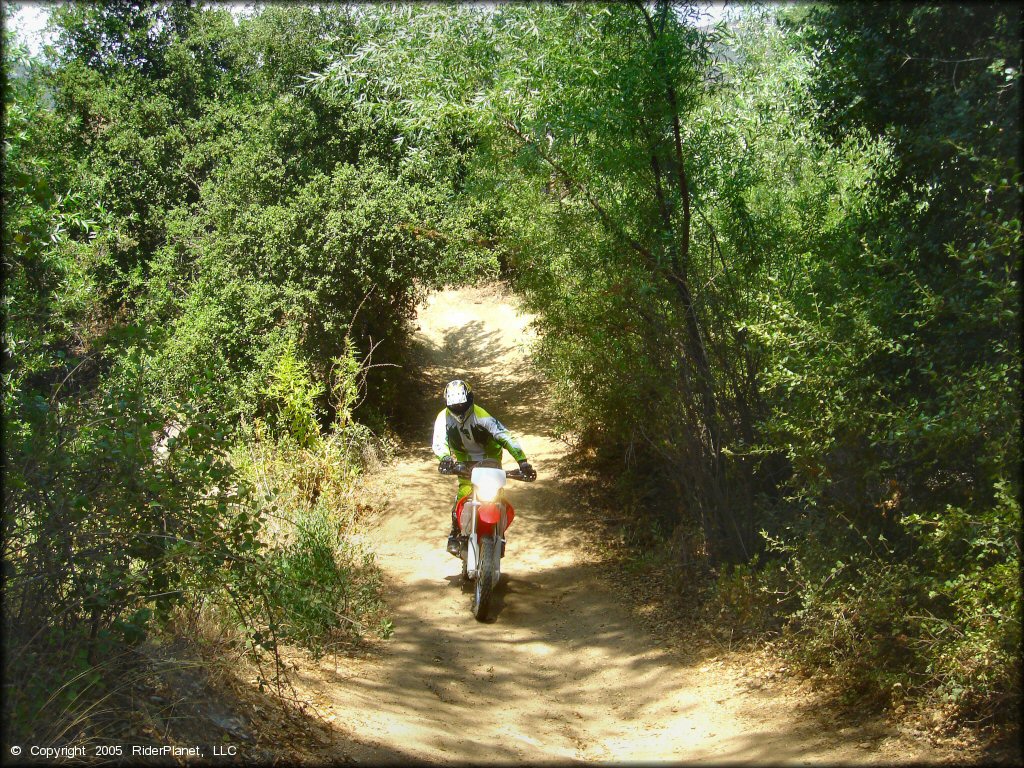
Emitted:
pixel 564 671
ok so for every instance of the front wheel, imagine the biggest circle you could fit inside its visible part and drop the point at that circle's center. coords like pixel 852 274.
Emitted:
pixel 485 579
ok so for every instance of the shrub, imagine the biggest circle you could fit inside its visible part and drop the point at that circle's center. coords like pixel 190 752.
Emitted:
pixel 933 619
pixel 323 583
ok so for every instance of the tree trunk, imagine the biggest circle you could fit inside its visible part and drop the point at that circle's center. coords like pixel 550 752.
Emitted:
pixel 725 538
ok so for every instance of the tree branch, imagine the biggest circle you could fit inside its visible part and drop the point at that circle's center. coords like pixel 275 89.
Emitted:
pixel 638 4
pixel 606 218
pixel 440 237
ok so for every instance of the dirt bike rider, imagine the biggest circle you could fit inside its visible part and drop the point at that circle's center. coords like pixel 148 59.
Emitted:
pixel 464 432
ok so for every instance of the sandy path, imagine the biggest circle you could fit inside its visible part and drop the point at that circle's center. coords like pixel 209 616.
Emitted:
pixel 563 671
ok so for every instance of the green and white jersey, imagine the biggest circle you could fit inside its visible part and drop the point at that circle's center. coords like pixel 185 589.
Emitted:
pixel 480 436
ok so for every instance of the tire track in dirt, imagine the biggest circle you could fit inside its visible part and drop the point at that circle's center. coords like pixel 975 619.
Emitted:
pixel 563 672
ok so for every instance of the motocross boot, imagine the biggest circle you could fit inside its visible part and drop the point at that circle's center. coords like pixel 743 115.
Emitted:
pixel 453 537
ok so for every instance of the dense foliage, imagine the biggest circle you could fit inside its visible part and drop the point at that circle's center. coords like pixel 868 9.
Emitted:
pixel 208 268
pixel 775 267
pixel 899 357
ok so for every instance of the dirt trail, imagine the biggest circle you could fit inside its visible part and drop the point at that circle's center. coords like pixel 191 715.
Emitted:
pixel 563 672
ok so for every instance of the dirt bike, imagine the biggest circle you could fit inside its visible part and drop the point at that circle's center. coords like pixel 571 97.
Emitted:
pixel 484 515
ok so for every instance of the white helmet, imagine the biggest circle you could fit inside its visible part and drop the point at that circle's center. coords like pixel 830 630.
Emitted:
pixel 458 396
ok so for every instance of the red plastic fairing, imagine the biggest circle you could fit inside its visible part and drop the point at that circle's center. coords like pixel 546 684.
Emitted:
pixel 458 508
pixel 489 515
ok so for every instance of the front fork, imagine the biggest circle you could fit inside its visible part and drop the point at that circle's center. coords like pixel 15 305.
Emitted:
pixel 472 552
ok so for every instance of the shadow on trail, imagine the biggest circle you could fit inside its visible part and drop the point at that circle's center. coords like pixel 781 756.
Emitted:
pixel 462 671
pixel 472 344
pixel 512 393
pixel 465 588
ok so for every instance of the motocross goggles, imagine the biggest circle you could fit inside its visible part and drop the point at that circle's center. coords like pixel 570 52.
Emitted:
pixel 460 409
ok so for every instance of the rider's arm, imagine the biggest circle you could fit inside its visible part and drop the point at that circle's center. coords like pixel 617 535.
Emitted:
pixel 440 446
pixel 500 433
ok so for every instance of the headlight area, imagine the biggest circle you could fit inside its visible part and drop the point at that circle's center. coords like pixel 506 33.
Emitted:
pixel 487 491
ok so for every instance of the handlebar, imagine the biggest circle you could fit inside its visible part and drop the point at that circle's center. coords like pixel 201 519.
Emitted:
pixel 461 469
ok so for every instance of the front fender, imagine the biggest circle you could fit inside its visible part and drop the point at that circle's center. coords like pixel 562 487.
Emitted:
pixel 490 513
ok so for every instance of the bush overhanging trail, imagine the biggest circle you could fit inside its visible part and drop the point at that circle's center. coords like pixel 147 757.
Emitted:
pixel 773 264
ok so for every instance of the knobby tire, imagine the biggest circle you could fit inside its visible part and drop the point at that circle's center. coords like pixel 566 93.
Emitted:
pixel 484 580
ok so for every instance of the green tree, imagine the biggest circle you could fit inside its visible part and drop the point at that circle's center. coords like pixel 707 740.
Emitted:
pixel 591 104
pixel 895 360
